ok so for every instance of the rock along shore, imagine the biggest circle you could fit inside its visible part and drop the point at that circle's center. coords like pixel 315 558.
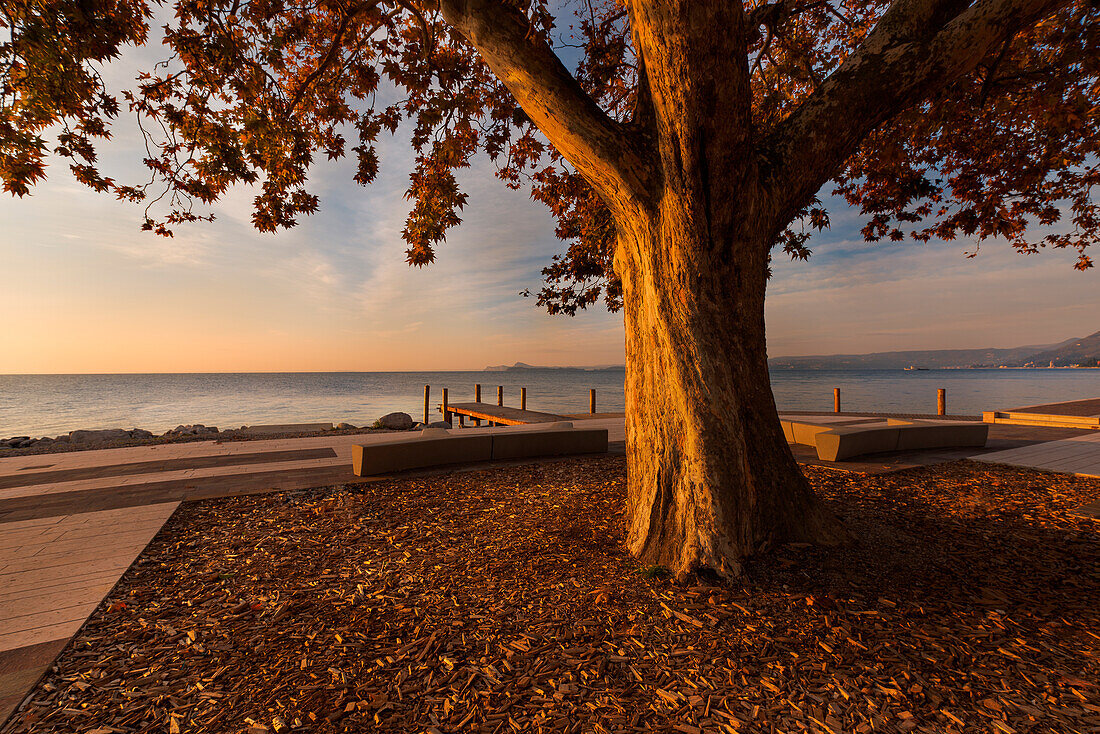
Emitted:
pixel 85 439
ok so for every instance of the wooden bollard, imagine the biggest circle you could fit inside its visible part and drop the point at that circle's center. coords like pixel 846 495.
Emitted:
pixel 444 404
pixel 500 395
pixel 592 401
pixel 941 401
pixel 523 398
pixel 427 403
pixel 477 393
pixel 836 399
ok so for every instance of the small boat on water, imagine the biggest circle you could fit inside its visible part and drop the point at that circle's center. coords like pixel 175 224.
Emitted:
pixel 914 367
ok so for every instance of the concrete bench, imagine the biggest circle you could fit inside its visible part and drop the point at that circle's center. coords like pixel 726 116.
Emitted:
pixel 836 444
pixel 433 447
pixel 928 435
pixel 846 442
pixel 557 439
pixel 804 432
pixel 439 446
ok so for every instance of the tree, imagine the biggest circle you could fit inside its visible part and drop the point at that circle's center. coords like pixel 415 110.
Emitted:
pixel 690 143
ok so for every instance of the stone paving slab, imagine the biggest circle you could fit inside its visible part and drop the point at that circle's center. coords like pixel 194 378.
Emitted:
pixel 20 669
pixel 54 572
pixel 42 564
pixel 26 478
pixel 111 482
pixel 1079 455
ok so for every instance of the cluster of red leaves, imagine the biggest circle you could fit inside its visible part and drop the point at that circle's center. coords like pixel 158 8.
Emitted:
pixel 501 601
pixel 253 90
pixel 1013 145
pixel 48 78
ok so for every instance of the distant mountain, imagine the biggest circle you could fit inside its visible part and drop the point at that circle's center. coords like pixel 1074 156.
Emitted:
pixel 1067 353
pixel 525 366
pixel 516 366
pixel 1073 352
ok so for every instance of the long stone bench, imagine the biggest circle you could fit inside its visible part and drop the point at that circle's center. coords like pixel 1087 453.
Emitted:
pixel 433 447
pixel 557 439
pixel 838 442
pixel 439 446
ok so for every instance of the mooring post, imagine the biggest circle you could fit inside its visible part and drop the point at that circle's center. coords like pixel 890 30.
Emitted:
pixel 592 401
pixel 444 404
pixel 523 398
pixel 500 395
pixel 477 399
pixel 941 401
pixel 427 403
pixel 836 399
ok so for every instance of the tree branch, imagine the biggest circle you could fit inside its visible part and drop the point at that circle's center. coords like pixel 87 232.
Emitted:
pixel 337 39
pixel 601 150
pixel 918 47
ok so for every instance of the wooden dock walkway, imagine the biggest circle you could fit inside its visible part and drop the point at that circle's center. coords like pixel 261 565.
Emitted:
pixel 497 414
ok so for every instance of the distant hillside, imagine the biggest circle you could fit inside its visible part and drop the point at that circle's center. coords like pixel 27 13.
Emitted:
pixel 1076 351
pixel 524 366
pixel 1067 353
pixel 516 366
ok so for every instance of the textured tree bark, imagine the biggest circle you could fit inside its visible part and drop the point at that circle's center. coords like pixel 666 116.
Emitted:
pixel 710 474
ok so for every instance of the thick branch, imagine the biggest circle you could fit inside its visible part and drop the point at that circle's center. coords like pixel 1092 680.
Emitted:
pixel 601 150
pixel 919 46
pixel 694 58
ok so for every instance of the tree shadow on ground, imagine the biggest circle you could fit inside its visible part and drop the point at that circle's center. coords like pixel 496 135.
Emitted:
pixel 960 533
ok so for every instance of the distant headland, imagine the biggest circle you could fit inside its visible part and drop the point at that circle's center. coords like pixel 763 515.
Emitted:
pixel 1076 352
pixel 524 366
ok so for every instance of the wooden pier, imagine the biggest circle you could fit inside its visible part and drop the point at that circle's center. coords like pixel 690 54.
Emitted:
pixel 496 414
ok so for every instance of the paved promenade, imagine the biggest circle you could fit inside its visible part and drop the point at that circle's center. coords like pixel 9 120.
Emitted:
pixel 1078 455
pixel 72 523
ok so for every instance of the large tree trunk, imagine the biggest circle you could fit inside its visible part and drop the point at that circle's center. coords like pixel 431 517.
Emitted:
pixel 710 474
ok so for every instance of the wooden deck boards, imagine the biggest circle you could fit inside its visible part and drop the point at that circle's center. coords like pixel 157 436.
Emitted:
pixel 501 414
pixel 161 465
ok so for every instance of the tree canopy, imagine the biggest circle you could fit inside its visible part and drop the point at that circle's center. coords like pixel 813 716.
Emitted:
pixel 254 91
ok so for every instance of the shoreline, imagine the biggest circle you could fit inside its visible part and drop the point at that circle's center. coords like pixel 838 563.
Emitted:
pixel 38 406
pixel 56 446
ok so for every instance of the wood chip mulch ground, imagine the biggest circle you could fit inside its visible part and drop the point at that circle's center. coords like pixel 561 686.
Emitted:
pixel 500 601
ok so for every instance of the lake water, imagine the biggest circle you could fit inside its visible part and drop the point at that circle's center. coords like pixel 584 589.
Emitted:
pixel 46 405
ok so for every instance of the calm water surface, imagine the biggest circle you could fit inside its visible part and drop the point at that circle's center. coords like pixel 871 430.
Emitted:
pixel 46 405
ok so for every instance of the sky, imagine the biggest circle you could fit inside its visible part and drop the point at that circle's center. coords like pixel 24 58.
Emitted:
pixel 84 290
